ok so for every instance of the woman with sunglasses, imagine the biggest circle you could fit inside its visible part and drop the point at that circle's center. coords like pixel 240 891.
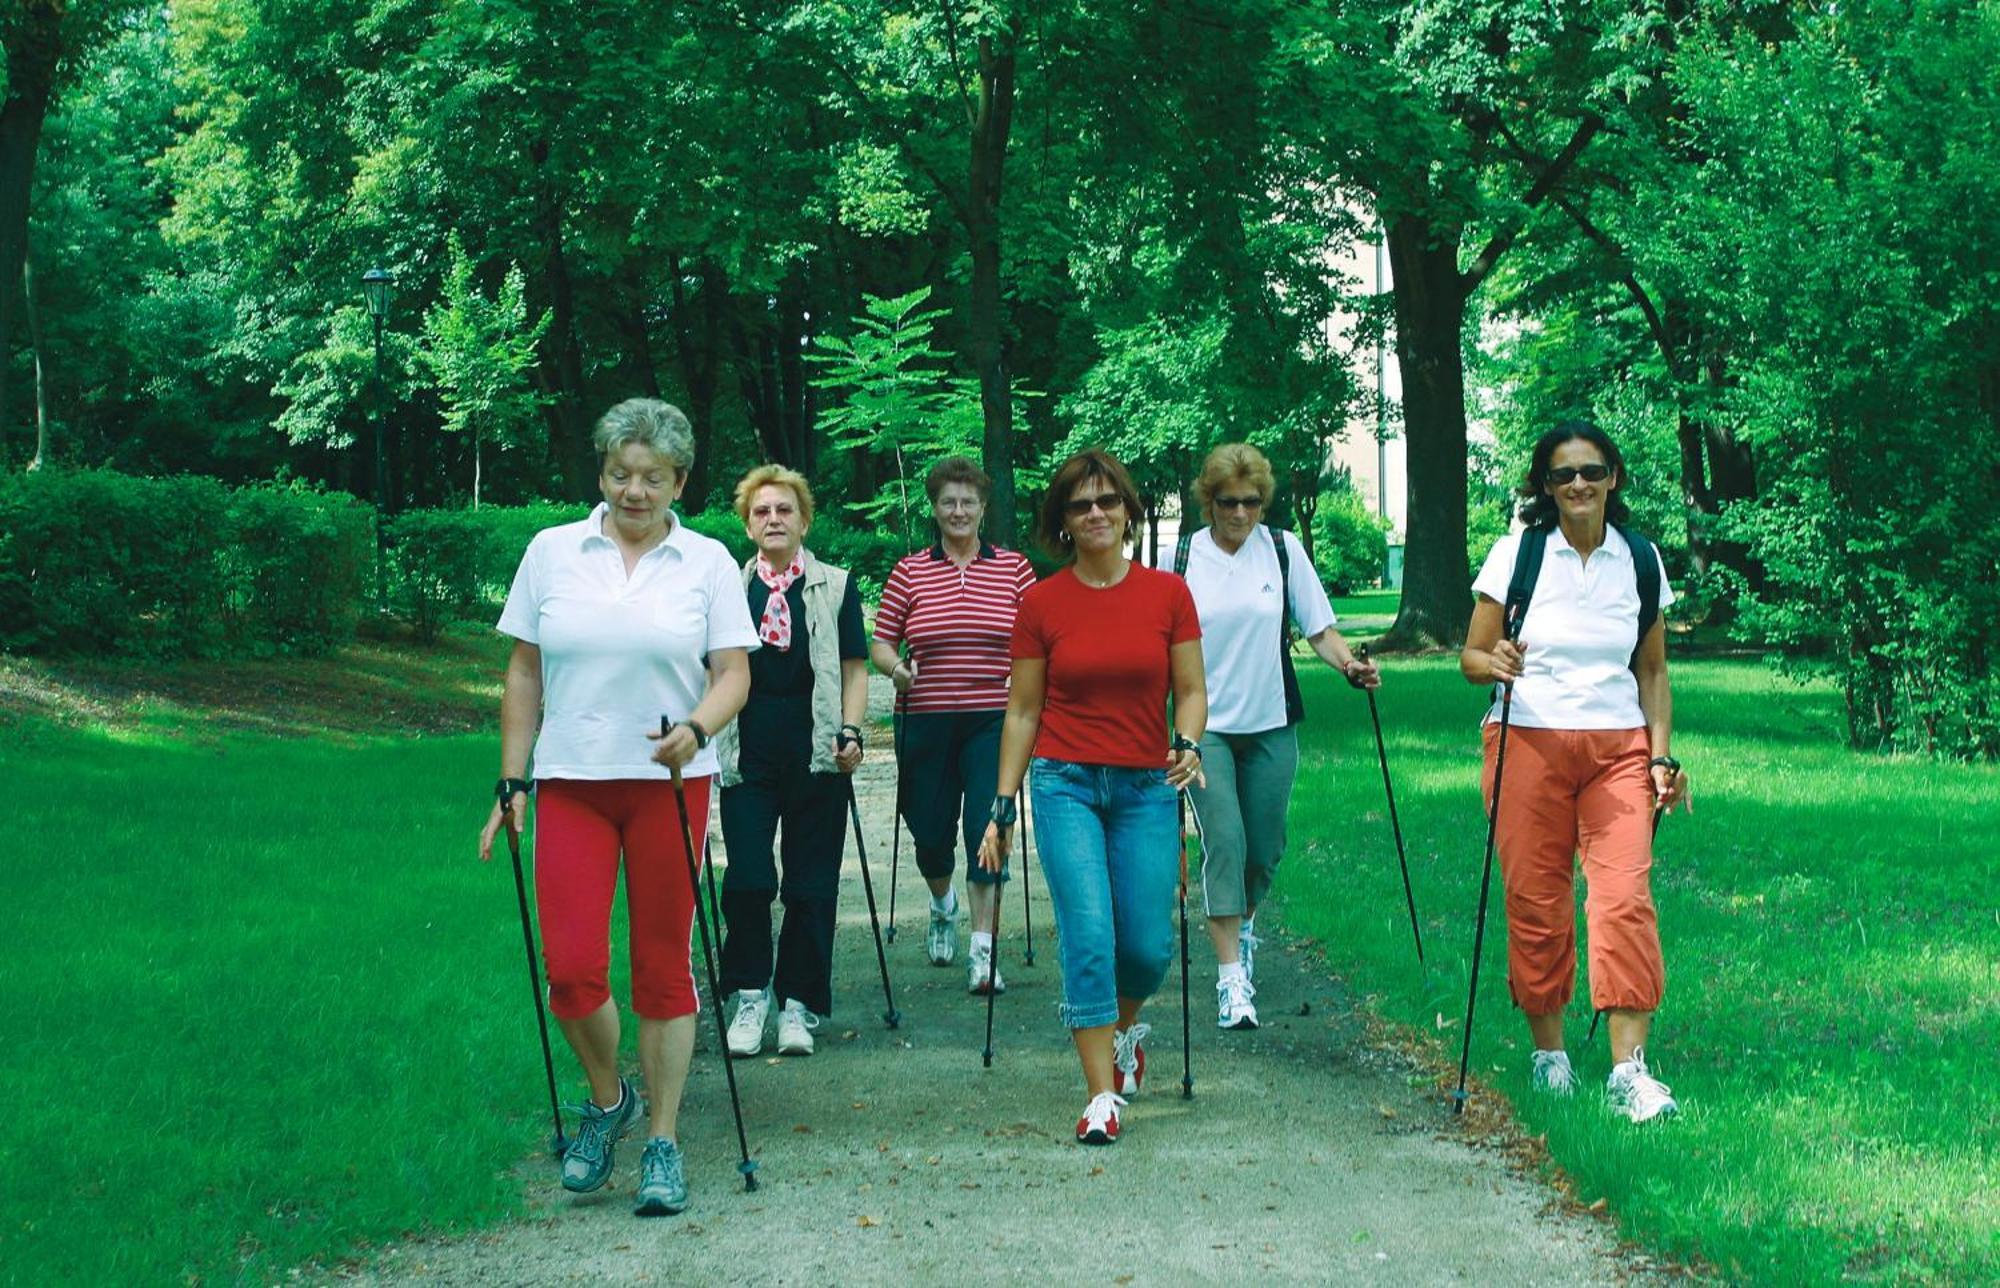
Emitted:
pixel 1589 760
pixel 1250 754
pixel 1098 648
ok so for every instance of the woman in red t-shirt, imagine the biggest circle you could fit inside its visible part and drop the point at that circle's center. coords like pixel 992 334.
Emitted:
pixel 1097 649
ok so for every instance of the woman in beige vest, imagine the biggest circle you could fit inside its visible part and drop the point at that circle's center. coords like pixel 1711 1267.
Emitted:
pixel 784 767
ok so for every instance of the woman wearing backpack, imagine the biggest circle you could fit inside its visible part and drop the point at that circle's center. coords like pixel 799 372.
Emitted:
pixel 1246 586
pixel 1588 753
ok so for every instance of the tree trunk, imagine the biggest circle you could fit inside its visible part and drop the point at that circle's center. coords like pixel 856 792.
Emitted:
pixel 992 122
pixel 34 319
pixel 559 364
pixel 1430 300
pixel 699 343
pixel 33 50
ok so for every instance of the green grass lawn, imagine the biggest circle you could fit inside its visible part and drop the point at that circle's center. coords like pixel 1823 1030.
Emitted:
pixel 264 1006
pixel 263 1003
pixel 1833 959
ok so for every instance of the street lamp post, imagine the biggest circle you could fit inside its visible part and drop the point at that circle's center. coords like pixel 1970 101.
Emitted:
pixel 377 286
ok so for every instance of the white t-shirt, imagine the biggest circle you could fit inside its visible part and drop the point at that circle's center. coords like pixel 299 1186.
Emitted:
pixel 619 652
pixel 1581 628
pixel 1236 597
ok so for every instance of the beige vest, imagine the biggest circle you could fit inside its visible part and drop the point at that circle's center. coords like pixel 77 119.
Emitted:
pixel 825 586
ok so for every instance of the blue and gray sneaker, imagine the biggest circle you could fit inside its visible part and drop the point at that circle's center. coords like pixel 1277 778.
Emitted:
pixel 663 1187
pixel 587 1161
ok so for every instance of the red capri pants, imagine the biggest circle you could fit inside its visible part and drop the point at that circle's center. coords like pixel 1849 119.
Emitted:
pixel 1570 793
pixel 581 829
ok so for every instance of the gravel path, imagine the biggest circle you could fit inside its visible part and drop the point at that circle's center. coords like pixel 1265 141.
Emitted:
pixel 893 1154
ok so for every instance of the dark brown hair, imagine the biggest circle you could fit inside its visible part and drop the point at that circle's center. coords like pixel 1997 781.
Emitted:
pixel 1539 508
pixel 1091 463
pixel 957 469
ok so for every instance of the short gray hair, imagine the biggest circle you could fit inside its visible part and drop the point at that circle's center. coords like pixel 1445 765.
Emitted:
pixel 650 422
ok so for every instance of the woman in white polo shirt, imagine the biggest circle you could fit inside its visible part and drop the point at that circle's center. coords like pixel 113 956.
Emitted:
pixel 1250 753
pixel 617 620
pixel 1588 762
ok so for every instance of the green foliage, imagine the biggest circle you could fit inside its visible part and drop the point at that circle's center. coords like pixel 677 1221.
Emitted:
pixel 296 563
pixel 480 350
pixel 1350 541
pixel 895 395
pixel 436 558
pixel 177 567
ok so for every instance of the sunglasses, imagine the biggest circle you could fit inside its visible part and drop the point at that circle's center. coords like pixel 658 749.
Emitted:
pixel 1238 502
pixel 1563 474
pixel 1105 501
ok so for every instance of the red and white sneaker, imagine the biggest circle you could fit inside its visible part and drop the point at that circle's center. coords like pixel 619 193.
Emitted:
pixel 1099 1124
pixel 1129 1059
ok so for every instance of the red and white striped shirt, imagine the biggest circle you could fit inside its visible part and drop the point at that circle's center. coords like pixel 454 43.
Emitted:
pixel 959 623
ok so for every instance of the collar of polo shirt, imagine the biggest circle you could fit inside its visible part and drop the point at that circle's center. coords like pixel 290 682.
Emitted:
pixel 593 530
pixel 985 551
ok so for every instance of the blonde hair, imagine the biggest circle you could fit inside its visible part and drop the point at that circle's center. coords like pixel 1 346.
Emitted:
pixel 1228 462
pixel 774 476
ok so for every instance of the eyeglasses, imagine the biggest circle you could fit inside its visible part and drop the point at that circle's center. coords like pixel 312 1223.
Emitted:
pixel 952 503
pixel 1238 502
pixel 1563 474
pixel 1105 501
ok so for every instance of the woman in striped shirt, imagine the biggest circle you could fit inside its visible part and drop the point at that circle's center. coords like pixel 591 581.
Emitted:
pixel 954 606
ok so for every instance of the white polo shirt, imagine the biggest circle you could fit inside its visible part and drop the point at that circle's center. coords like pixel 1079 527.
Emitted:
pixel 619 652
pixel 1578 636
pixel 1237 598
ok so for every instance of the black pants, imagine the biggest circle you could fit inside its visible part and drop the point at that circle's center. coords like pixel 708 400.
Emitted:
pixel 948 771
pixel 811 810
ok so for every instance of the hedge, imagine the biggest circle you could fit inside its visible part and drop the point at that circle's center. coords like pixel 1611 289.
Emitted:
pixel 97 562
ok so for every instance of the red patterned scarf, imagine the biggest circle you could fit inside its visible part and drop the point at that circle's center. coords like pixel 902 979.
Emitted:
pixel 775 628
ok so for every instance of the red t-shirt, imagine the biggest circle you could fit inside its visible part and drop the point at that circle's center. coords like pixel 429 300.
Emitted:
pixel 1108 677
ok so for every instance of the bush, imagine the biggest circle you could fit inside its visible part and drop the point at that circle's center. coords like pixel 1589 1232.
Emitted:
pixel 435 557
pixel 97 562
pixel 297 564
pixel 1350 542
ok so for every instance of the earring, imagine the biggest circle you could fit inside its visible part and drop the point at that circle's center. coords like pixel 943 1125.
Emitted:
pixel 1064 536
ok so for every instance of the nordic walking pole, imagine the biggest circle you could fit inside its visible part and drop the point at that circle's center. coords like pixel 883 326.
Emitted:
pixel 1027 905
pixel 891 1017
pixel 558 1143
pixel 1486 876
pixel 992 972
pixel 1187 1038
pixel 747 1167
pixel 1395 824
pixel 1598 1014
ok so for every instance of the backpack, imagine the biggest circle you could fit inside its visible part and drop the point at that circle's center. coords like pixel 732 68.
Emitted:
pixel 1528 566
pixel 1295 706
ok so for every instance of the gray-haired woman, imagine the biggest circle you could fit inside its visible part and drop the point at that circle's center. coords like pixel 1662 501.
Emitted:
pixel 617 619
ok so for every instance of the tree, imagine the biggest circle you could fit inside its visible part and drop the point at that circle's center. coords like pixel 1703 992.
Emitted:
pixel 480 350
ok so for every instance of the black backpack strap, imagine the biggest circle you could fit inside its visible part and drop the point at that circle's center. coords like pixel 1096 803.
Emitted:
pixel 1284 579
pixel 1181 553
pixel 1295 707
pixel 1521 588
pixel 1646 570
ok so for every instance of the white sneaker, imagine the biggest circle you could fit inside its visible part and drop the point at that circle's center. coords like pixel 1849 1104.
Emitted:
pixel 1637 1094
pixel 978 966
pixel 1099 1124
pixel 941 940
pixel 1233 1007
pixel 746 1031
pixel 1246 949
pixel 1129 1059
pixel 1552 1075
pixel 795 1026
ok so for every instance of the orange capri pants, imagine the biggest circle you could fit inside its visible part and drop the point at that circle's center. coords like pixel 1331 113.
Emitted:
pixel 1571 792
